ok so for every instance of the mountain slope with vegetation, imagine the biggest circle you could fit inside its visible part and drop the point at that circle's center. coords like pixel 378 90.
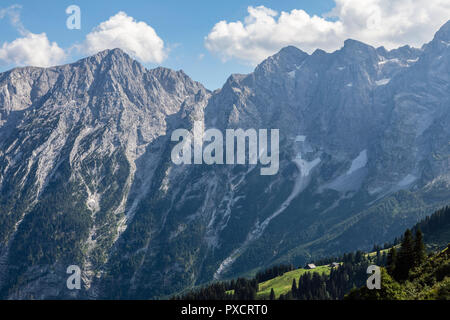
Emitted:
pixel 428 281
pixel 283 284
pixel 408 272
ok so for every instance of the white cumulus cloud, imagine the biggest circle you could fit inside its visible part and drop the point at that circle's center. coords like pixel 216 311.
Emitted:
pixel 31 49
pixel 122 31
pixel 377 22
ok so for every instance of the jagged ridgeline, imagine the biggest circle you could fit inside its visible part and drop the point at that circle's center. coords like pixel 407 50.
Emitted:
pixel 86 176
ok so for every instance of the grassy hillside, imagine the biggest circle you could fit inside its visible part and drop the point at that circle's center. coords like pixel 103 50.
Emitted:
pixel 283 284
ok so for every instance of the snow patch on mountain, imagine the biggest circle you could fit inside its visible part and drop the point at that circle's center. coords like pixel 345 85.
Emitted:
pixel 383 82
pixel 301 182
pixel 406 181
pixel 359 162
pixel 353 178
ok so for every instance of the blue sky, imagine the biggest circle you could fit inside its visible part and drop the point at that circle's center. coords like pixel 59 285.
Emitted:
pixel 183 26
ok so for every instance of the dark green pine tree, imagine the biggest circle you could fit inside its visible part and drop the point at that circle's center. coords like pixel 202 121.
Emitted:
pixel 294 288
pixel 272 294
pixel 391 261
pixel 419 249
pixel 406 257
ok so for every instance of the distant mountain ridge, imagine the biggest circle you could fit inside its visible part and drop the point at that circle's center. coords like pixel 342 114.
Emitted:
pixel 86 176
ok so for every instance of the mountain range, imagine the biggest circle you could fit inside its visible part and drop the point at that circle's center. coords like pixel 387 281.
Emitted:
pixel 86 176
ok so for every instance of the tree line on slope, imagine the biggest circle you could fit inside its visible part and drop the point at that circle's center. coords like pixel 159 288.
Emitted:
pixel 429 280
pixel 406 254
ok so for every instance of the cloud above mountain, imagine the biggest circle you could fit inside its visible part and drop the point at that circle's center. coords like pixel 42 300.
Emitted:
pixel 33 50
pixel 122 31
pixel 29 49
pixel 377 22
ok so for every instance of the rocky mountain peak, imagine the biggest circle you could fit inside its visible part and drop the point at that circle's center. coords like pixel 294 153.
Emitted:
pixel 355 48
pixel 291 51
pixel 352 44
pixel 285 60
pixel 444 32
pixel 405 52
pixel 108 58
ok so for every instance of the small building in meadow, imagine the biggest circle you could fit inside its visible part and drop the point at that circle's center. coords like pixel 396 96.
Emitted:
pixel 334 265
pixel 310 266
